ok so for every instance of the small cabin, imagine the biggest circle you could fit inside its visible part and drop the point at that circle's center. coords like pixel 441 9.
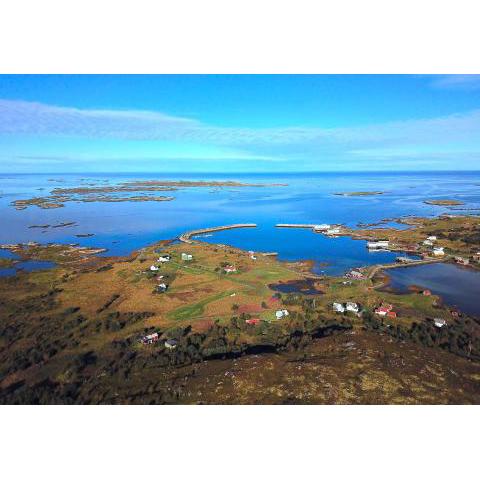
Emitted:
pixel 164 258
pixel 338 307
pixel 352 307
pixel 281 313
pixel 161 288
pixel 171 343
pixel 439 322
pixel 252 321
pixel 186 257
pixel 154 268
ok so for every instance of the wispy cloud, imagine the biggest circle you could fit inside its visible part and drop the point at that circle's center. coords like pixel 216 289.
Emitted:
pixel 28 118
pixel 459 82
pixel 385 142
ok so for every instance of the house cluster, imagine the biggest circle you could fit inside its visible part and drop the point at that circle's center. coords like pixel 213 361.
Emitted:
pixel 346 307
pixel 355 274
pixel 155 337
pixel 281 314
pixel 378 245
pixel 436 250
pixel 386 310
pixel 161 259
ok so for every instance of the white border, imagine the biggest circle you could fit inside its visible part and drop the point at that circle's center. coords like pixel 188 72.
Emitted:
pixel 247 36
pixel 283 442
pixel 239 36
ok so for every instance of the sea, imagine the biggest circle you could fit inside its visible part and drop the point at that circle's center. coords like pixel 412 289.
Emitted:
pixel 122 227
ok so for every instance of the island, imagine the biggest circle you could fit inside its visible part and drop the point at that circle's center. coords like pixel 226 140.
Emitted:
pixel 358 194
pixel 106 193
pixel 172 315
pixel 443 203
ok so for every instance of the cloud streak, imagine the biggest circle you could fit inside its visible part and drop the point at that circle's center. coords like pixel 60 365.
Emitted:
pixel 28 118
pixel 457 82
pixel 383 143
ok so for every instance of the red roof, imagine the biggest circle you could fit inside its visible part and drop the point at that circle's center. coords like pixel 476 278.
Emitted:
pixel 252 321
pixel 392 314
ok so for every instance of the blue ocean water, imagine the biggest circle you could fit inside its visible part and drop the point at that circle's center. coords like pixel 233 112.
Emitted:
pixel 307 198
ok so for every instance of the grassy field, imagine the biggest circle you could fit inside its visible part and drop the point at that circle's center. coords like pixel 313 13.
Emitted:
pixel 78 325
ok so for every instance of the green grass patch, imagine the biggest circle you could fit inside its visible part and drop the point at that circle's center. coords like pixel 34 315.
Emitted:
pixel 196 309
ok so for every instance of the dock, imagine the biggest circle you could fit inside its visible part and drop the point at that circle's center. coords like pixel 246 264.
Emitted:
pixel 295 225
pixel 186 237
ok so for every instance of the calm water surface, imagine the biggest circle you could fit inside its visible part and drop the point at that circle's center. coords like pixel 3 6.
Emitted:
pixel 458 286
pixel 308 198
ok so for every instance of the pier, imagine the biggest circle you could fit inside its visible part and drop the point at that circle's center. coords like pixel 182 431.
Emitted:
pixel 186 237
pixel 295 225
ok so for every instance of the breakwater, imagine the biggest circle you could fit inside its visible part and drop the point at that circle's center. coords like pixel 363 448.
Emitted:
pixel 187 236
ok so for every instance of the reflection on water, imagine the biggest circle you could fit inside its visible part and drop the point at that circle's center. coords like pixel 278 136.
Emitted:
pixel 458 286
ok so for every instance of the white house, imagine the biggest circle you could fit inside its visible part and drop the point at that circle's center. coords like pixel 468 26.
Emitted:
pixel 378 244
pixel 352 307
pixel 162 287
pixel 338 307
pixel 432 238
pixel 281 313
pixel 428 243
pixel 152 338
pixel 229 269
pixel 438 251
pixel 321 228
pixel 154 268
pixel 333 231
pixel 187 257
pixel 170 344
pixel 439 322
pixel 164 258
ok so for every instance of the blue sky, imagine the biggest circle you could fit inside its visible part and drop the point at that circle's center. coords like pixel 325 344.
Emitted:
pixel 228 123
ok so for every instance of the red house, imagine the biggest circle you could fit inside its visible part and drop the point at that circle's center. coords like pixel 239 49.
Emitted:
pixel 252 321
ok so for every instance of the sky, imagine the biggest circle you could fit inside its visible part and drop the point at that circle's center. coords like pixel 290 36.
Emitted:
pixel 238 123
